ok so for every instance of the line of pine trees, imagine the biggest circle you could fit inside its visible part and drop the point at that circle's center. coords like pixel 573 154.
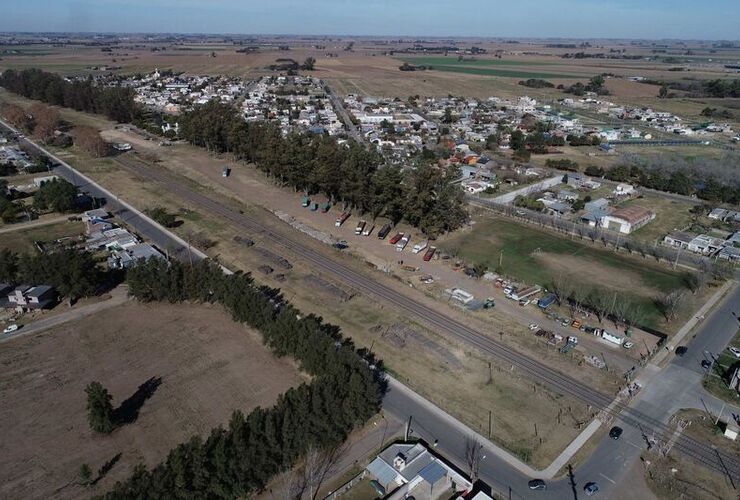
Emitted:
pixel 351 173
pixel 117 103
pixel 239 460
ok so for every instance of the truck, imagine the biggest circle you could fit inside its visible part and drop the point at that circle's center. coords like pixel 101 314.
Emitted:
pixel 341 219
pixel 429 254
pixel 384 231
pixel 546 301
pixel 396 238
pixel 402 244
pixel 368 230
pixel 570 344
pixel 614 339
pixel 419 246
pixel 305 201
pixel 314 206
pixel 360 227
pixel 325 207
pixel 226 172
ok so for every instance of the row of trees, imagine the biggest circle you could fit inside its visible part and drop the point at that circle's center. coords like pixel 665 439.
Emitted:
pixel 239 460
pixel 117 103
pixel 709 179
pixel 350 173
pixel 74 274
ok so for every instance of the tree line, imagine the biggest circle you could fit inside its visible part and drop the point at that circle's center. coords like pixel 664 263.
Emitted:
pixel 117 103
pixel 239 460
pixel 350 173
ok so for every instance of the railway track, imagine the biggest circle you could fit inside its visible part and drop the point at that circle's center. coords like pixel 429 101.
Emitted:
pixel 546 376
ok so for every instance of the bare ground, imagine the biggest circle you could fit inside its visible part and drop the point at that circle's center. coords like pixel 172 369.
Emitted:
pixel 209 367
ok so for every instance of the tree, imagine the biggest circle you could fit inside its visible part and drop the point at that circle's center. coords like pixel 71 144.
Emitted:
pixel 516 140
pixel 88 139
pixel 8 266
pixel 56 195
pixel 99 408
pixel 308 63
pixel 473 457
pixel 84 475
pixel 162 216
pixel 670 304
pixel 73 273
pixel 663 92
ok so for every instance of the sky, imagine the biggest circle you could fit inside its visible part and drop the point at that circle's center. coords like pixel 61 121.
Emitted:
pixel 652 19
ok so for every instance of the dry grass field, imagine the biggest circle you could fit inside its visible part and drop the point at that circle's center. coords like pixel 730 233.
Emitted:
pixel 209 366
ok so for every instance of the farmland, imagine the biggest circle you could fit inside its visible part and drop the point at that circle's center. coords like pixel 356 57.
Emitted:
pixel 208 365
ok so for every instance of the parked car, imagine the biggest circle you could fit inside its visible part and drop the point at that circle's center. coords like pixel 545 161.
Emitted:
pixel 341 245
pixel 628 345
pixel 395 238
pixel 360 227
pixel 734 351
pixel 565 322
pixel 534 326
pixel 537 484
pixel 591 489
pixel 524 302
pixel 706 364
pixel 681 350
pixel 489 303
pixel 368 229
pixel 11 328
pixel 419 247
pixel 615 432
pixel 576 324
pixel 384 231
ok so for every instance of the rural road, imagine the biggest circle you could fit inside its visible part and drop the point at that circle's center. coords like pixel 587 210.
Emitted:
pixel 442 323
pixel 30 225
pixel 119 295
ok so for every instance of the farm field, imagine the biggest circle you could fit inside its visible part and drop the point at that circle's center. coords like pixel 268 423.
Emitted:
pixel 508 73
pixel 534 255
pixel 208 365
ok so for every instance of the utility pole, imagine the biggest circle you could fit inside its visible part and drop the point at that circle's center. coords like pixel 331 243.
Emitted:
pixel 408 429
pixel 490 423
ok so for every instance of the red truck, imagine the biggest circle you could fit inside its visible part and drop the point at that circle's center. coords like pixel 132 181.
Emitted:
pixel 396 238
pixel 429 254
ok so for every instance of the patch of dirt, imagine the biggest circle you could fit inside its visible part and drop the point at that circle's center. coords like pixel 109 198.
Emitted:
pixel 209 367
pixel 595 274
pixel 320 284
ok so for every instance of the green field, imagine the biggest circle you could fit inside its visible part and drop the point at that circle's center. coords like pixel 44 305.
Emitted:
pixel 537 256
pixel 453 61
pixel 506 73
pixel 23 240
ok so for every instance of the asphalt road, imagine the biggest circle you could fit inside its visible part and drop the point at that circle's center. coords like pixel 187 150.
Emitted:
pixel 644 422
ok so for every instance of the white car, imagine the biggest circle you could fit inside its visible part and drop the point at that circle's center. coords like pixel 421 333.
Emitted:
pixel 628 345
pixel 11 328
pixel 534 326
pixel 734 351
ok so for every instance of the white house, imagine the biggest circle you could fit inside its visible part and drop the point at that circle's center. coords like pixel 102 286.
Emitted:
pixel 623 190
pixel 627 219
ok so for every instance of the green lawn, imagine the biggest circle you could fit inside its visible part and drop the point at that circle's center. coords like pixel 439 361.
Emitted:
pixel 520 248
pixel 23 239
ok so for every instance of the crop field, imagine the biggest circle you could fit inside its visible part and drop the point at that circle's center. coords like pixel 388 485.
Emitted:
pixel 534 255
pixel 507 73
pixel 453 61
pixel 209 366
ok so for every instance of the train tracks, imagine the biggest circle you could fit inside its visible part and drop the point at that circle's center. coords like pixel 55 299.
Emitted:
pixel 546 376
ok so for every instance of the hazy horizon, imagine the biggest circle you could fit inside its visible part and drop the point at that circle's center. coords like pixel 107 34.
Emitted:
pixel 562 19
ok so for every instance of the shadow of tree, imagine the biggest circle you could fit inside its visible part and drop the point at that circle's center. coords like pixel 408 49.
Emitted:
pixel 105 468
pixel 128 411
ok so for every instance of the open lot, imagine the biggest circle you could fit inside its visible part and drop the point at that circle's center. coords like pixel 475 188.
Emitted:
pixel 208 365
pixel 537 256
pixel 716 381
pixel 22 239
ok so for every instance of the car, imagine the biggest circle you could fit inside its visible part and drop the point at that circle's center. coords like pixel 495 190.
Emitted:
pixel 628 345
pixel 537 484
pixel 524 302
pixel 534 326
pixel 565 322
pixel 11 328
pixel 734 351
pixel 681 350
pixel 706 364
pixel 591 488
pixel 615 432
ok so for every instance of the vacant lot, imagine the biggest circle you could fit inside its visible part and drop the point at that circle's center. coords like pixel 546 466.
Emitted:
pixel 22 239
pixel 717 381
pixel 538 256
pixel 209 366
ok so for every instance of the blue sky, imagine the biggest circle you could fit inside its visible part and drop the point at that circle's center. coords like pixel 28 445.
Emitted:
pixel 708 19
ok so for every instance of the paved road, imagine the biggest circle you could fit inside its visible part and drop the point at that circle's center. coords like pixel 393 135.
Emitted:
pixel 336 101
pixel 499 474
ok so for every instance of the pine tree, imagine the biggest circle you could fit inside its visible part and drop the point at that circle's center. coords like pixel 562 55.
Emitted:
pixel 99 408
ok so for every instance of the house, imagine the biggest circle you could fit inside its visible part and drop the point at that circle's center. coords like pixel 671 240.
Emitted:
pixel 735 380
pixel 98 213
pixel 566 195
pixel 410 470
pixel 705 244
pixel 678 239
pixel 126 257
pixel 32 297
pixel 593 216
pixel 598 204
pixel 555 208
pixel 576 180
pixel 627 219
pixel 475 187
pixel 731 254
pixel 623 190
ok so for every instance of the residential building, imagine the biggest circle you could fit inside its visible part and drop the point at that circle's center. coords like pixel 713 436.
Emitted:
pixel 126 257
pixel 623 190
pixel 627 219
pixel 598 204
pixel 705 244
pixel 678 239
pixel 731 254
pixel 32 297
pixel 411 470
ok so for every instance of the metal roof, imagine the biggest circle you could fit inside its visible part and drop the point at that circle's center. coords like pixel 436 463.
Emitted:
pixel 384 473
pixel 433 473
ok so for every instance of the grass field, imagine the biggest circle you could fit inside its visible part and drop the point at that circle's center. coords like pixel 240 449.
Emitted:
pixel 22 240
pixel 721 371
pixel 537 256
pixel 453 61
pixel 209 366
pixel 506 73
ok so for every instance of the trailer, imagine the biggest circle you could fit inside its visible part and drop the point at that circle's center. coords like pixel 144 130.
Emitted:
pixel 325 207
pixel 384 231
pixel 368 230
pixel 314 207
pixel 526 293
pixel 460 295
pixel 396 238
pixel 341 219
pixel 420 246
pixel 429 254
pixel 546 301
pixel 305 201
pixel 614 339
pixel 360 227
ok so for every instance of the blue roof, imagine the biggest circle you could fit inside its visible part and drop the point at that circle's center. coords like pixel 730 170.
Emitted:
pixel 433 473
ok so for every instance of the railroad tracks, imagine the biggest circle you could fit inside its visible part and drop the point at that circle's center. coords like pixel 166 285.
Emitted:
pixel 546 376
